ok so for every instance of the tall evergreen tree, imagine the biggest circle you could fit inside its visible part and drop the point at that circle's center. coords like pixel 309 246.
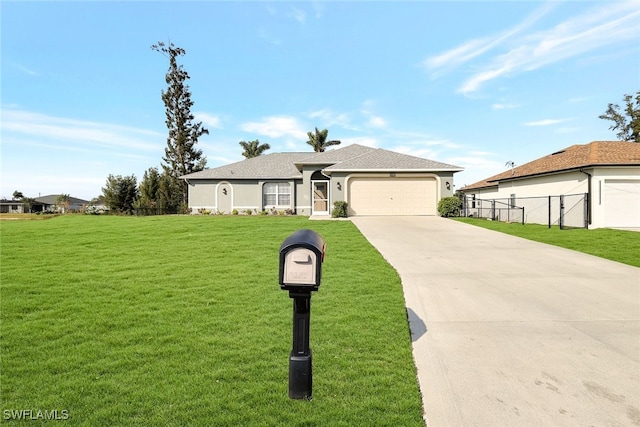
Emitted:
pixel 319 141
pixel 181 155
pixel 253 148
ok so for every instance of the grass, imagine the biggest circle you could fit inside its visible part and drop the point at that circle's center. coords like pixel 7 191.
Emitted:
pixel 615 245
pixel 180 321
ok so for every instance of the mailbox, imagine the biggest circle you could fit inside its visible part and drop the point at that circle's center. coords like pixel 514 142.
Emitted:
pixel 301 257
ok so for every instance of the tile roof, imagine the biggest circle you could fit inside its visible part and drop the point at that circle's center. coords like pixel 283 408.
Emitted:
pixel 350 158
pixel 596 153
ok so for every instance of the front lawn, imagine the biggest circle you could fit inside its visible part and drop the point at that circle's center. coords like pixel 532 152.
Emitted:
pixel 180 320
pixel 616 245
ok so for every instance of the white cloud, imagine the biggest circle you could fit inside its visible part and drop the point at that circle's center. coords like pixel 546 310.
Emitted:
pixel 330 118
pixel 474 48
pixel 208 120
pixel 85 133
pixel 605 25
pixel 545 122
pixel 276 127
pixel 298 14
pixel 377 121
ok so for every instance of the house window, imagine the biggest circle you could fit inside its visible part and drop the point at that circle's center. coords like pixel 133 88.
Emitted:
pixel 276 194
pixel 513 200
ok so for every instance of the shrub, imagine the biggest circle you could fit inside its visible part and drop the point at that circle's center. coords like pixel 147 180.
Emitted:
pixel 264 212
pixel 248 211
pixel 289 212
pixel 449 206
pixel 339 209
pixel 234 212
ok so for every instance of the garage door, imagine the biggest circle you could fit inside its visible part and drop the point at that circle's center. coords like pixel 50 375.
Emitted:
pixel 392 196
pixel 622 203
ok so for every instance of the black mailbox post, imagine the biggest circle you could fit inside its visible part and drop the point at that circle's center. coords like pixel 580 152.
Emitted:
pixel 301 257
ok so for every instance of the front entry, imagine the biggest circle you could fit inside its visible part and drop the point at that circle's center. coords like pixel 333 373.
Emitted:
pixel 320 190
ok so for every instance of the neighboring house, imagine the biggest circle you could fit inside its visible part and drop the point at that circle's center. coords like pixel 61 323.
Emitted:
pixel 372 181
pixel 607 171
pixel 11 206
pixel 50 202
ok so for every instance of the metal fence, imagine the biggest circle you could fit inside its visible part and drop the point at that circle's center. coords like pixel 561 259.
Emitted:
pixel 565 211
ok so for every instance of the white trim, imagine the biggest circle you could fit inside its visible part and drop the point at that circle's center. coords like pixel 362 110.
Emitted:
pixel 313 195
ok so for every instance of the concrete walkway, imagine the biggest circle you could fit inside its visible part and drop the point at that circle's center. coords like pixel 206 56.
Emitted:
pixel 509 332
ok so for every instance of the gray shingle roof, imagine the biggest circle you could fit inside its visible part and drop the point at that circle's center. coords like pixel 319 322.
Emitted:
pixel 384 160
pixel 268 166
pixel 350 158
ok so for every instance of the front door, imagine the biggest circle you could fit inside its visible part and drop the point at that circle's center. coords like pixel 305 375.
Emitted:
pixel 320 191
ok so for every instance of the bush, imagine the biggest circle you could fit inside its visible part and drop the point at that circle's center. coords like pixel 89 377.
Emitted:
pixel 449 206
pixel 234 212
pixel 248 212
pixel 339 209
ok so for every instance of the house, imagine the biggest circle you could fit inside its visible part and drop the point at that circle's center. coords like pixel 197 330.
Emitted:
pixel 11 206
pixel 372 181
pixel 608 172
pixel 50 203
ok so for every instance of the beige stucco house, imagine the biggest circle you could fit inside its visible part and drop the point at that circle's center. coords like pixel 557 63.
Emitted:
pixel 373 181
pixel 608 172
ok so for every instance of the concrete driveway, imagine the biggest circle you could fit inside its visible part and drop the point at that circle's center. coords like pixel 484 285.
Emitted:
pixel 509 332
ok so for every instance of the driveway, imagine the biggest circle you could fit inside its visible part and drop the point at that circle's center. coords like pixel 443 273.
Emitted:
pixel 509 332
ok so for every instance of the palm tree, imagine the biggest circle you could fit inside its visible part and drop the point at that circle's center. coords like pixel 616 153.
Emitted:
pixel 253 148
pixel 319 140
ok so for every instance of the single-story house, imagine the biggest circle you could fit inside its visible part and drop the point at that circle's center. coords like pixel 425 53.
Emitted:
pixel 372 181
pixel 11 206
pixel 607 171
pixel 51 203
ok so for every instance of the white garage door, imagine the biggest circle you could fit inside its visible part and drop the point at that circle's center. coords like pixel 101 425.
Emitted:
pixel 622 203
pixel 392 196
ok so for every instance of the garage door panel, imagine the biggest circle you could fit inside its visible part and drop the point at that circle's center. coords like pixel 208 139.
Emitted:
pixel 392 196
pixel 622 203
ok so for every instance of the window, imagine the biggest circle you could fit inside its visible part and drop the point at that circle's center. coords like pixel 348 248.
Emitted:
pixel 276 194
pixel 513 200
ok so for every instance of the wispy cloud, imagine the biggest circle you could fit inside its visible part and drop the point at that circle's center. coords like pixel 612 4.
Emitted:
pixel 545 122
pixel 276 127
pixel 298 14
pixel 22 68
pixel 330 118
pixel 601 26
pixel 439 64
pixel 86 133
pixel 208 120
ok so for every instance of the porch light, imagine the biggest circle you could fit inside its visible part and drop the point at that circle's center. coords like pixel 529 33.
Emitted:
pixel 339 187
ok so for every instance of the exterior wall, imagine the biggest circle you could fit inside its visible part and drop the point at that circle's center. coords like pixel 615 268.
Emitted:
pixel 600 175
pixel 447 188
pixel 244 194
pixel 247 194
pixel 574 182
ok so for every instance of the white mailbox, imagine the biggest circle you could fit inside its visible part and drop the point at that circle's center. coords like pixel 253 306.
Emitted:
pixel 301 257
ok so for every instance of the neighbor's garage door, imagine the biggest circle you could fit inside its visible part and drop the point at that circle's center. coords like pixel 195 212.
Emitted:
pixel 392 196
pixel 622 203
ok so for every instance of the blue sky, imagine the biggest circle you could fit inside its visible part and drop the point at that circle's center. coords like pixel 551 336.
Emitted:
pixel 475 84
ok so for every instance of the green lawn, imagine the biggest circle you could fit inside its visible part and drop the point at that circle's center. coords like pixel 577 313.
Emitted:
pixel 616 245
pixel 180 321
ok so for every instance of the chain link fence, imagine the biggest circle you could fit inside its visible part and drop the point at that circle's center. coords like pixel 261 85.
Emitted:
pixel 565 211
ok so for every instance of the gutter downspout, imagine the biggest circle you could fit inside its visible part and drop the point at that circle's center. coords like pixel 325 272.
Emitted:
pixel 590 201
